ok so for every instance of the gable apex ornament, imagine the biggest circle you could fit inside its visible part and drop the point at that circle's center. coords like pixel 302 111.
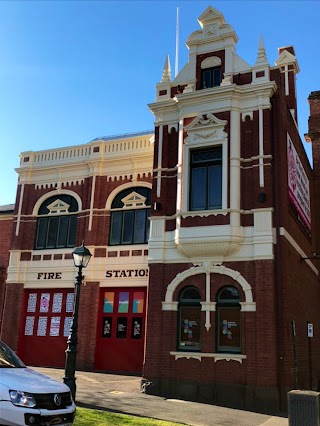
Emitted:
pixel 287 58
pixel 58 206
pixel 134 200
pixel 209 16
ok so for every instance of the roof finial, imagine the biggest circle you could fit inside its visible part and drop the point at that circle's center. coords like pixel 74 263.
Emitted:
pixel 166 75
pixel 262 58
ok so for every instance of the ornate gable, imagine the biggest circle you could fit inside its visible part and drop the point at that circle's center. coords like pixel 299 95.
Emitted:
pixel 134 200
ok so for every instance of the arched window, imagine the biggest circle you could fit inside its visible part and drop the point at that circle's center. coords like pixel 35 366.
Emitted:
pixel 189 320
pixel 130 211
pixel 57 223
pixel 228 320
pixel 211 72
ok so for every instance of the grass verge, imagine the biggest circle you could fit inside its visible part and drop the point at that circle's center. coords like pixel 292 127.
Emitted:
pixel 88 417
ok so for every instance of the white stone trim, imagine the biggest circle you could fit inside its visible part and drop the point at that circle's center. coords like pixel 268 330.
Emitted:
pixel 179 174
pixel 52 194
pixel 159 160
pixel 212 61
pixel 122 187
pixel 214 269
pixel 20 209
pixel 216 356
pixel 92 201
pixel 247 114
pixel 248 306
pixel 235 176
pixel 261 150
pixel 170 306
pixel 202 133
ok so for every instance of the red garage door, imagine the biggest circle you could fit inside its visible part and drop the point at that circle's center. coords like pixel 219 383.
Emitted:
pixel 45 326
pixel 121 325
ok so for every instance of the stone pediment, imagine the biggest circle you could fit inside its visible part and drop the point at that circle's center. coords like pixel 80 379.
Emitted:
pixel 206 128
pixel 211 16
pixel 134 200
pixel 58 206
pixel 287 58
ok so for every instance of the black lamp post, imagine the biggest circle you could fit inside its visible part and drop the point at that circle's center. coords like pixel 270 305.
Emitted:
pixel 81 257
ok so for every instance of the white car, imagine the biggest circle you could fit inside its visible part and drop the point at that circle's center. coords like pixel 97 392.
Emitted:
pixel 30 398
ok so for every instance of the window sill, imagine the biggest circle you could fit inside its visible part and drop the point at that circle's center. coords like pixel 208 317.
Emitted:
pixel 204 213
pixel 216 356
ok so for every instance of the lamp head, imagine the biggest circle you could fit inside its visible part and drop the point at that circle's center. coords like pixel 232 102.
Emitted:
pixel 81 256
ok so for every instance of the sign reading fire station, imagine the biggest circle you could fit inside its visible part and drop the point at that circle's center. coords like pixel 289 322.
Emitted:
pixel 127 273
pixel 49 276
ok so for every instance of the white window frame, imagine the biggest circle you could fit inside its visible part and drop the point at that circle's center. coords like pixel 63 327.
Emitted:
pixel 201 136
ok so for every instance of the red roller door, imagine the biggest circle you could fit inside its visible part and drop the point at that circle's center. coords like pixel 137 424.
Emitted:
pixel 45 325
pixel 120 331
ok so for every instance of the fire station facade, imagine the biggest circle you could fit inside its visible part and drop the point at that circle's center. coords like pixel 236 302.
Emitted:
pixel 202 233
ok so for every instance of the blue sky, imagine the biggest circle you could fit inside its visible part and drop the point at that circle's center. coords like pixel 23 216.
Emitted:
pixel 71 71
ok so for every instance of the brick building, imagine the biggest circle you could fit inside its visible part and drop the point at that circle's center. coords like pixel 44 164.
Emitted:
pixel 230 295
pixel 100 193
pixel 6 224
pixel 228 261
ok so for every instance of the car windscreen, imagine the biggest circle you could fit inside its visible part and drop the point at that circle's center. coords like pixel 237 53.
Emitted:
pixel 8 359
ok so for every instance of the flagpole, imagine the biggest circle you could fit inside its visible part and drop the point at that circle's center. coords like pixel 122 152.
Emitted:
pixel 177 44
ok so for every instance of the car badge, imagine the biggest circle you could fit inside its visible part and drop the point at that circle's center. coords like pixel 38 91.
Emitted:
pixel 57 399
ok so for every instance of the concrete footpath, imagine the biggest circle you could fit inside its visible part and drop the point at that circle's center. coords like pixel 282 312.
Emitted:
pixel 122 394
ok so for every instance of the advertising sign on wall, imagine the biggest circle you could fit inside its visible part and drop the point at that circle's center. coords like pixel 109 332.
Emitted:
pixel 298 185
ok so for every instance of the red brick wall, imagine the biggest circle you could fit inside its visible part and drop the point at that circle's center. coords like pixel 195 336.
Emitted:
pixel 88 314
pixel 314 135
pixel 258 337
pixel 11 314
pixel 6 225
pixel 220 54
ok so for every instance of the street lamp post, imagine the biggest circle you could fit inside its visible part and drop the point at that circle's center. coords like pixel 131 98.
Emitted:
pixel 81 257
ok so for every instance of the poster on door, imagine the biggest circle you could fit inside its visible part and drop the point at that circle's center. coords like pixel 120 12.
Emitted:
pixel 67 326
pixel 229 335
pixel 28 329
pixel 42 326
pixel 44 302
pixel 138 299
pixel 57 303
pixel 32 302
pixel 107 327
pixel 55 326
pixel 69 302
pixel 122 328
pixel 136 328
pixel 108 302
